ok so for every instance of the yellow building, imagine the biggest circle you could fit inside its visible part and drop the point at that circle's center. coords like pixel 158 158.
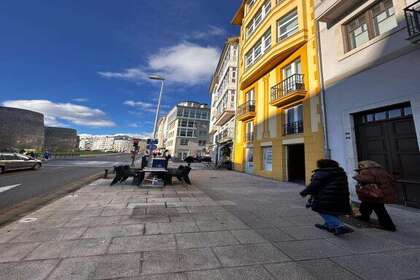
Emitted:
pixel 279 131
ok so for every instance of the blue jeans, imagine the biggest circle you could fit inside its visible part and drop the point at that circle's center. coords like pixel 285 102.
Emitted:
pixel 331 221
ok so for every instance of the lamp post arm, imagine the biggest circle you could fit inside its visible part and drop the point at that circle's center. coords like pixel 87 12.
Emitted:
pixel 158 109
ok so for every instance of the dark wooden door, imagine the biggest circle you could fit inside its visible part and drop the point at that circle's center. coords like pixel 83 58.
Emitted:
pixel 389 138
pixel 296 163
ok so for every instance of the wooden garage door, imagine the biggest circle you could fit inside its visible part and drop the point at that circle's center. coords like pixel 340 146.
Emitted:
pixel 388 136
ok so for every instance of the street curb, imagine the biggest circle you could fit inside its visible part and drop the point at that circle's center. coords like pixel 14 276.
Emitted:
pixel 20 210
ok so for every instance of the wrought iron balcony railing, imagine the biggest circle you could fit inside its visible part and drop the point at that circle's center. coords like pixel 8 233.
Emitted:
pixel 247 107
pixel 287 86
pixel 412 16
pixel 293 128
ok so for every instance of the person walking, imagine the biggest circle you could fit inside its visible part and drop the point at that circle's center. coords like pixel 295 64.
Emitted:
pixel 330 196
pixel 375 189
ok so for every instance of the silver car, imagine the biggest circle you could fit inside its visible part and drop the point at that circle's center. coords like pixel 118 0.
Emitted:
pixel 17 162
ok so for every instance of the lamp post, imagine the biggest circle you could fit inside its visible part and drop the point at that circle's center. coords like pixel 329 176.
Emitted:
pixel 158 78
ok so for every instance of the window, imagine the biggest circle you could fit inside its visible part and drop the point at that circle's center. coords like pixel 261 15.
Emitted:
pixel 260 48
pixel 294 114
pixel 258 18
pixel 201 143
pixel 250 131
pixel 184 142
pixel 370 24
pixel 291 84
pixel 268 158
pixel 288 25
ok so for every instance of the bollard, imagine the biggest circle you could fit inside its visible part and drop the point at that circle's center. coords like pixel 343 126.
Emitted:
pixel 106 174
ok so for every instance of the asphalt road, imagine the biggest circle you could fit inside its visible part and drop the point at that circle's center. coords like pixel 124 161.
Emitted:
pixel 18 186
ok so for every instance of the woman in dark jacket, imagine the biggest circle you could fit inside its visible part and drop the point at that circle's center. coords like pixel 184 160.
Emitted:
pixel 372 173
pixel 330 196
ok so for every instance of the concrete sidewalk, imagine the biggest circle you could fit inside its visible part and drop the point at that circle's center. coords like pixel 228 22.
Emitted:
pixel 227 226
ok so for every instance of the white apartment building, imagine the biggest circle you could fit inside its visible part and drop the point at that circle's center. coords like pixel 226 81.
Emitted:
pixel 161 133
pixel 187 128
pixel 371 85
pixel 223 99
pixel 123 144
pixel 119 144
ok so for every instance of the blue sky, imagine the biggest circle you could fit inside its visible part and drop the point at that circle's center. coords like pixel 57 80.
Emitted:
pixel 84 63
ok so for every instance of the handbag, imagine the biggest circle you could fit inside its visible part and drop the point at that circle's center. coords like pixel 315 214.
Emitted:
pixel 369 192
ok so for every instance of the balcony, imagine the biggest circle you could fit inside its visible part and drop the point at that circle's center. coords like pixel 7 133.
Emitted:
pixel 288 91
pixel 224 116
pixel 246 111
pixel 293 128
pixel 412 16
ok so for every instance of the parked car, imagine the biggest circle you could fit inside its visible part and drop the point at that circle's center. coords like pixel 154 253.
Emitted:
pixel 17 162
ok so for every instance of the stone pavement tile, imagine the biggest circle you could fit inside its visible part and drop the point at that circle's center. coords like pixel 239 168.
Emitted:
pixel 178 261
pixel 248 236
pixel 205 239
pixel 142 243
pixel 306 232
pixel 93 221
pixel 311 249
pixel 173 227
pixel 305 220
pixel 113 266
pixel 310 270
pixel 220 225
pixel 128 220
pixel 36 270
pixel 11 252
pixel 409 237
pixel 117 212
pixel 249 254
pixel 359 242
pixel 72 248
pixel 114 231
pixel 46 235
pixel 205 209
pixel 384 266
pixel 274 234
pixel 162 211
pixel 7 235
pixel 254 221
pixel 170 276
pixel 163 200
pixel 237 273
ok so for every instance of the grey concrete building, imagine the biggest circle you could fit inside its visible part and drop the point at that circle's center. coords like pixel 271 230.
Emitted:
pixel 371 79
pixel 58 139
pixel 187 129
pixel 21 129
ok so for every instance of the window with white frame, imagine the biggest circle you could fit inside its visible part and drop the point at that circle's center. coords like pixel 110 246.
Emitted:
pixel 184 142
pixel 294 114
pixel 258 18
pixel 260 48
pixel 250 131
pixel 288 25
pixel 268 158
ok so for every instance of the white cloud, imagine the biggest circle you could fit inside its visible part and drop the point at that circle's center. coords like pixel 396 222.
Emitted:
pixel 185 63
pixel 144 106
pixel 80 99
pixel 55 113
pixel 212 31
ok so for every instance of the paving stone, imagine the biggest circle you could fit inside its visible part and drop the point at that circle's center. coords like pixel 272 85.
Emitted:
pixel 240 273
pixel 384 266
pixel 12 252
pixel 310 270
pixel 274 234
pixel 36 270
pixel 94 221
pixel 220 225
pixel 128 220
pixel 248 236
pixel 178 261
pixel 173 227
pixel 114 231
pixel 305 232
pixel 75 269
pixel 6 236
pixel 113 266
pixel 249 254
pixel 170 276
pixel 205 239
pixel 117 212
pixel 311 249
pixel 142 243
pixel 45 235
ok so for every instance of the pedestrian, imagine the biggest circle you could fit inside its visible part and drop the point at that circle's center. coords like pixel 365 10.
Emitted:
pixel 330 196
pixel 375 189
pixel 46 155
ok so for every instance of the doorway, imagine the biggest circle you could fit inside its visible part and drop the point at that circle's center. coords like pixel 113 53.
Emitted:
pixel 296 163
pixel 388 136
pixel 249 164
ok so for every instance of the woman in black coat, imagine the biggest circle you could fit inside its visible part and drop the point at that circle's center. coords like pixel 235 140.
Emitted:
pixel 330 195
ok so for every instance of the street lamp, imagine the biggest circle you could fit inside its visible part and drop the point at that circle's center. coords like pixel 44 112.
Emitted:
pixel 158 78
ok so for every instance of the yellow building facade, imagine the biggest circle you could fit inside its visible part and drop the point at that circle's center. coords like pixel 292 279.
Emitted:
pixel 279 132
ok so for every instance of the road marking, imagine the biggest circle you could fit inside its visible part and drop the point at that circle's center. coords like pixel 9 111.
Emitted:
pixel 6 188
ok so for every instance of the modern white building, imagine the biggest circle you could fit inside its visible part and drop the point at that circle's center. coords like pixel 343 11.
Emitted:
pixel 161 133
pixel 370 72
pixel 118 143
pixel 187 130
pixel 223 88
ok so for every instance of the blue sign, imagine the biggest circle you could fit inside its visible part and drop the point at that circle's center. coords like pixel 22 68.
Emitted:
pixel 152 141
pixel 151 147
